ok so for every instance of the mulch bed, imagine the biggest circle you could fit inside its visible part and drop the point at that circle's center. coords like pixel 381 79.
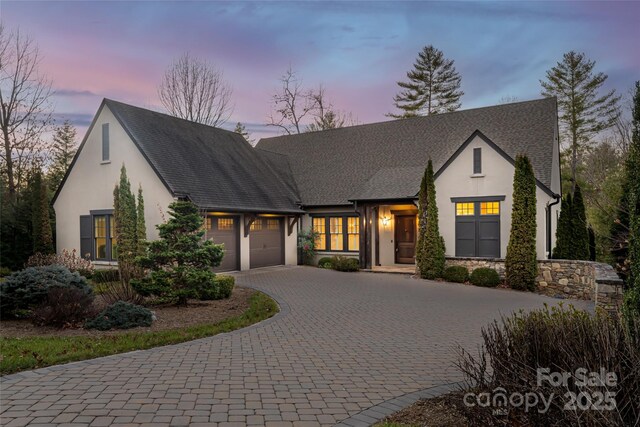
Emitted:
pixel 441 411
pixel 167 317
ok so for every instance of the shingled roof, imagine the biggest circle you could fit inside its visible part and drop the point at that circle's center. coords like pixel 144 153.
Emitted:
pixel 386 160
pixel 214 168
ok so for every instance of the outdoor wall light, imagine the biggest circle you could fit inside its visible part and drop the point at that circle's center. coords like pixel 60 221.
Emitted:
pixel 385 220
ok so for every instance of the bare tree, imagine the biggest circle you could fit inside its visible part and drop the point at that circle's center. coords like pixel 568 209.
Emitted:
pixel 195 90
pixel 25 107
pixel 292 104
pixel 326 116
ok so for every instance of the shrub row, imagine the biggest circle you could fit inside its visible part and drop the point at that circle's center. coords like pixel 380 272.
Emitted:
pixel 485 277
pixel 221 288
pixel 339 263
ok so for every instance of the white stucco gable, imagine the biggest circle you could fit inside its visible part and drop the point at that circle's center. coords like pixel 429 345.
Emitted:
pixel 456 179
pixel 89 184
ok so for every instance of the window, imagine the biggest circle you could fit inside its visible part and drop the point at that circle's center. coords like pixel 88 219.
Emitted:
pixel 464 209
pixel 256 225
pixel 225 224
pixel 105 142
pixel 490 208
pixel 353 233
pixel 477 160
pixel 273 224
pixel 319 227
pixel 112 235
pixel 336 232
pixel 100 236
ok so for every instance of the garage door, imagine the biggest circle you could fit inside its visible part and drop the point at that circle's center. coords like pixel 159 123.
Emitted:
pixel 478 229
pixel 266 242
pixel 225 230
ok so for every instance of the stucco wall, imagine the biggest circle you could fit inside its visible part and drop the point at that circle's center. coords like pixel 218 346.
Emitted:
pixel 90 183
pixel 457 180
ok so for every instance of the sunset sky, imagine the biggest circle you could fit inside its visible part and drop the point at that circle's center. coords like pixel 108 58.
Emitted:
pixel 357 50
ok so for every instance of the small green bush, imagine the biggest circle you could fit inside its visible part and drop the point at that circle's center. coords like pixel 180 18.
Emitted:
pixel 121 315
pixel 486 277
pixel 456 273
pixel 25 289
pixel 342 263
pixel 325 262
pixel 5 271
pixel 107 275
pixel 221 288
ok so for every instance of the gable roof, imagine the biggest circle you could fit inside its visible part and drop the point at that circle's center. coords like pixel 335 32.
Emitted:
pixel 214 168
pixel 374 161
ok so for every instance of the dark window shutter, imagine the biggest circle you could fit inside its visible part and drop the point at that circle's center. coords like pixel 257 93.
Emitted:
pixel 86 236
pixel 477 160
pixel 105 142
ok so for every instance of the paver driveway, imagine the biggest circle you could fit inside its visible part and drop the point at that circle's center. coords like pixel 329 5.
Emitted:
pixel 342 343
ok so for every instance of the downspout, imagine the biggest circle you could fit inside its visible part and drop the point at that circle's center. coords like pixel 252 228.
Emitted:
pixel 557 198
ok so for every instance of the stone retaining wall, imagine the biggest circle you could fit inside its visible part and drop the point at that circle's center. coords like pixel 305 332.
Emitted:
pixel 584 280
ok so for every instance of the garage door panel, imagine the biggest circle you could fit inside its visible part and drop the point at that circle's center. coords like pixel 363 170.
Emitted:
pixel 477 232
pixel 266 242
pixel 465 238
pixel 225 230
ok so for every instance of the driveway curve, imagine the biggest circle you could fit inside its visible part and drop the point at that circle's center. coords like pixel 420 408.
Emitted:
pixel 342 343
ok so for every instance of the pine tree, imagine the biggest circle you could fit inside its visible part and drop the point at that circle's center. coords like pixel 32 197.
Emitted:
pixel 562 249
pixel 632 172
pixel 433 86
pixel 521 261
pixel 579 233
pixel 242 130
pixel 141 227
pixel 42 235
pixel 430 257
pixel 181 260
pixel 62 151
pixel 583 111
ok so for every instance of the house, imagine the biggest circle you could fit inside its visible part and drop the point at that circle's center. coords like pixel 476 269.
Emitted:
pixel 356 186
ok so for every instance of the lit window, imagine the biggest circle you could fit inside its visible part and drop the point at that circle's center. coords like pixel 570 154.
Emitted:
pixel 225 224
pixel 209 223
pixel 256 225
pixel 464 209
pixel 353 233
pixel 490 208
pixel 100 236
pixel 320 228
pixel 112 235
pixel 273 224
pixel 335 231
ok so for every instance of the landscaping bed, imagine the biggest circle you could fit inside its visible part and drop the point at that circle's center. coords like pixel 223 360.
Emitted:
pixel 441 411
pixel 38 347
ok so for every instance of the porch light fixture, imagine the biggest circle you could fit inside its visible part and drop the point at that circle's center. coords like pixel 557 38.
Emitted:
pixel 385 220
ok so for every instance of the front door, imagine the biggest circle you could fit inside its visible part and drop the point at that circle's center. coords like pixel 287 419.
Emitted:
pixel 405 238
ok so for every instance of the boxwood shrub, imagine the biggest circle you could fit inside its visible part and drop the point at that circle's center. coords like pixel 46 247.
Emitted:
pixel 121 315
pixel 28 288
pixel 325 262
pixel 456 273
pixel 342 263
pixel 486 277
pixel 221 288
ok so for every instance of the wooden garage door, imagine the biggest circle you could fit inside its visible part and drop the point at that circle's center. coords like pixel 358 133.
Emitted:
pixel 266 242
pixel 478 229
pixel 225 230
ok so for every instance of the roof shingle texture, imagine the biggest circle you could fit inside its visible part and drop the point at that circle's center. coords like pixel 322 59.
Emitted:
pixel 380 159
pixel 215 168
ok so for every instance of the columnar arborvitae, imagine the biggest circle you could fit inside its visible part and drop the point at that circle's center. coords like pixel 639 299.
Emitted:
pixel 141 227
pixel 632 171
pixel 430 256
pixel 124 204
pixel 579 232
pixel 42 235
pixel 521 261
pixel 563 230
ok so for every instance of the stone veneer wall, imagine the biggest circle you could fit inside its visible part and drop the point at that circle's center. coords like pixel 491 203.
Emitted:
pixel 584 280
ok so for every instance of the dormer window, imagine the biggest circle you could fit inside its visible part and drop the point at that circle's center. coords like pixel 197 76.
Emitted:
pixel 477 161
pixel 105 142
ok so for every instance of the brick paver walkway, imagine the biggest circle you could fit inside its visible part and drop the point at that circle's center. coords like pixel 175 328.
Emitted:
pixel 342 343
